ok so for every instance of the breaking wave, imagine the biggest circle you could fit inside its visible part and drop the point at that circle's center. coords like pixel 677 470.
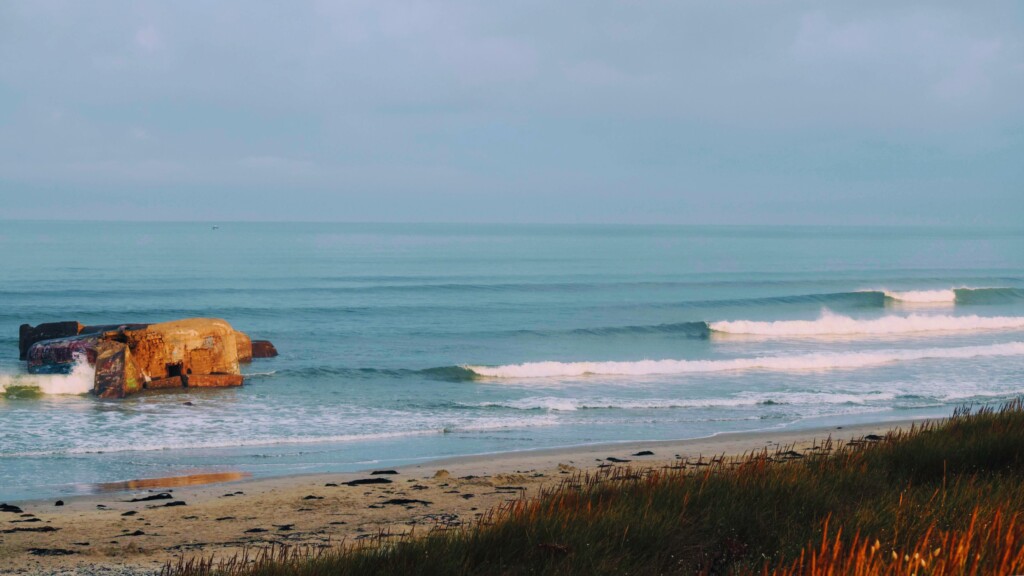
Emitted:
pixel 923 296
pixel 821 361
pixel 832 324
pixel 559 404
pixel 950 296
pixel 79 381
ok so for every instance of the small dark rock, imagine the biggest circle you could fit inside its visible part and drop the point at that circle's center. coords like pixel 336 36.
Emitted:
pixel 379 472
pixel 129 513
pixel 187 404
pixel 255 530
pixel 136 533
pixel 175 503
pixel 10 508
pixel 312 497
pixel 37 529
pixel 468 496
pixel 644 453
pixel 365 481
pixel 873 437
pixel 58 503
pixel 223 518
pixel 614 459
pixel 284 527
pixel 331 484
pixel 406 501
pixel 50 552
pixel 160 496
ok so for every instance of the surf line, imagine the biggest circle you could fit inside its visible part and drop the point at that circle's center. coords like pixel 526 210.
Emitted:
pixel 820 361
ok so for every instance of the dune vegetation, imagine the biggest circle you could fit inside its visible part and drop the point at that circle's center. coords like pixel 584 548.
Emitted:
pixel 941 498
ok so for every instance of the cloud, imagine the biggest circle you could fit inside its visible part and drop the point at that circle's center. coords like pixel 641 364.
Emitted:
pixel 678 112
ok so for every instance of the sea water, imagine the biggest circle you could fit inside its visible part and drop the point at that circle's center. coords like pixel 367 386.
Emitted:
pixel 402 343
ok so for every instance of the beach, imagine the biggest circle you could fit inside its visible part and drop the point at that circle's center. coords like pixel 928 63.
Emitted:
pixel 108 534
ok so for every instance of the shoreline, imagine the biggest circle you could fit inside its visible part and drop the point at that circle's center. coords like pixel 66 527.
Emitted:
pixel 106 530
pixel 798 427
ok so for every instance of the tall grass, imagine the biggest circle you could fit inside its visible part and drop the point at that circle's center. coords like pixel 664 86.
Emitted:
pixel 941 498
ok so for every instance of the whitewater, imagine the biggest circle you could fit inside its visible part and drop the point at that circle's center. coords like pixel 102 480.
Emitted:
pixel 820 361
pixel 832 324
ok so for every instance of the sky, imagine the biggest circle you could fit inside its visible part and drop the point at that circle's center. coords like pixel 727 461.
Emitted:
pixel 687 112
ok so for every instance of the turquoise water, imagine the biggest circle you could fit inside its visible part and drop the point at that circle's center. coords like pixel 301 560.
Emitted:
pixel 407 342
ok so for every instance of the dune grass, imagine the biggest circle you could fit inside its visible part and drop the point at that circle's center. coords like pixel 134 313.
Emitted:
pixel 941 498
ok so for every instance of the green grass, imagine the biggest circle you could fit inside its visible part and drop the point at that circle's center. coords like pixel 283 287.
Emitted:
pixel 948 492
pixel 18 392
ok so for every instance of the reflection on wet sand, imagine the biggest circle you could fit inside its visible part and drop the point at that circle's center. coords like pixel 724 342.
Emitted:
pixel 167 482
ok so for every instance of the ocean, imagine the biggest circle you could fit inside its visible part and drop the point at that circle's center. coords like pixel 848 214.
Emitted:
pixel 407 342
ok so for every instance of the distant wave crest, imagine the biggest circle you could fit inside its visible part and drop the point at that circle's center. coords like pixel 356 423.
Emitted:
pixel 949 296
pixel 922 296
pixel 823 361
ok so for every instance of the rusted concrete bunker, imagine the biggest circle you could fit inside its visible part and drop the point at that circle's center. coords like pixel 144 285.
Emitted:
pixel 129 358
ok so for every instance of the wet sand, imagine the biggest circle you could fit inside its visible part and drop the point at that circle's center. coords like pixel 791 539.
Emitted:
pixel 107 533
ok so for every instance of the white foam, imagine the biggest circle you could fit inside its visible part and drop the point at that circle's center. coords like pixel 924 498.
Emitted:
pixel 923 296
pixel 260 374
pixel 230 443
pixel 559 404
pixel 135 444
pixel 831 324
pixel 79 381
pixel 820 361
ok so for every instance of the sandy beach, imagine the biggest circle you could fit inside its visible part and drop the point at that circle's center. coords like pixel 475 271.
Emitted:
pixel 109 533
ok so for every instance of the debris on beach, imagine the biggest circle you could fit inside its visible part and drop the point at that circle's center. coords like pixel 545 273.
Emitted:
pixel 129 358
pixel 365 481
pixel 160 496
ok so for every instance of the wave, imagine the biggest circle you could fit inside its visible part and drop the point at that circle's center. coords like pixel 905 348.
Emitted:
pixel 698 330
pixel 79 381
pixel 228 443
pixel 821 361
pixel 832 324
pixel 134 445
pixel 950 296
pixel 255 375
pixel 923 296
pixel 559 404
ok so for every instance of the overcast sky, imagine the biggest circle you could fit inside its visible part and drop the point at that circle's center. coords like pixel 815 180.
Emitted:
pixel 570 111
